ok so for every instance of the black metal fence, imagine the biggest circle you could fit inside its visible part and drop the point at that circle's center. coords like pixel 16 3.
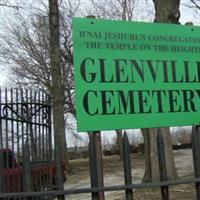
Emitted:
pixel 27 119
pixel 25 140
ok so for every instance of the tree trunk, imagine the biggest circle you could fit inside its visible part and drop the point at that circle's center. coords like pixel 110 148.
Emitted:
pixel 166 12
pixel 151 155
pixel 57 89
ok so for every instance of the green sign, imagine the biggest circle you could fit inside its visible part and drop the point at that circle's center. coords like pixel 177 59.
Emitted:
pixel 135 75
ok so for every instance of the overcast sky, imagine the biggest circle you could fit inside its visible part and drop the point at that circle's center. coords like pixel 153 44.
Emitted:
pixel 8 13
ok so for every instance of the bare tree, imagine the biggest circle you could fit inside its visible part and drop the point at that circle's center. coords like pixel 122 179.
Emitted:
pixel 26 50
pixel 28 53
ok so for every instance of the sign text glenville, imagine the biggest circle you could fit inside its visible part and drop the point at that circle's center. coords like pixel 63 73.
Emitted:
pixel 136 75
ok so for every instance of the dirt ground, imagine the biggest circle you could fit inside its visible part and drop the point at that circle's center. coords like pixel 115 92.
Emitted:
pixel 113 175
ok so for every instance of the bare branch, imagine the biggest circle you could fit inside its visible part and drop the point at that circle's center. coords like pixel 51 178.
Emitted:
pixel 10 6
pixel 196 3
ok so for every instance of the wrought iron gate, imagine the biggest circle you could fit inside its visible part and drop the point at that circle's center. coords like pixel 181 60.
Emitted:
pixel 25 140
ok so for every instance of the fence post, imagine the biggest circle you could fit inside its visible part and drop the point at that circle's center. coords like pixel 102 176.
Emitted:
pixel 127 166
pixel 1 169
pixel 1 147
pixel 162 165
pixel 96 164
pixel 27 168
pixel 196 156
